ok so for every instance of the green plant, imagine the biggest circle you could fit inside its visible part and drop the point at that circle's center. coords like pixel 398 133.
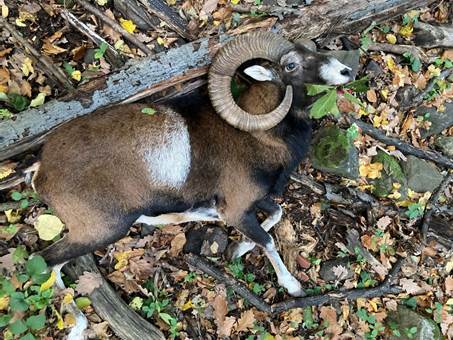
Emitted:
pixel 190 277
pixel 440 86
pixel 410 332
pixel 366 280
pixel 414 61
pixel 415 210
pixel 99 52
pixel 14 101
pixel 327 103
pixel 158 304
pixel 25 198
pixel 443 63
pixel 237 269
pixel 394 328
pixel 28 301
pixel 376 327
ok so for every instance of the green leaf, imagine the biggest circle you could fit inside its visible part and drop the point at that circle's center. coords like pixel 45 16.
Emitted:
pixel 38 100
pixel 99 52
pixel 27 336
pixel 352 98
pixel 352 132
pixel 36 267
pixel 148 111
pixel 365 42
pixel 325 105
pixel 5 114
pixel 166 317
pixel 20 254
pixel 359 85
pixel 18 102
pixel 16 195
pixel 448 63
pixel 3 97
pixel 17 327
pixel 17 302
pixel 411 302
pixel 4 320
pixel 416 64
pixel 83 302
pixel 36 322
pixel 68 68
pixel 414 211
pixel 314 89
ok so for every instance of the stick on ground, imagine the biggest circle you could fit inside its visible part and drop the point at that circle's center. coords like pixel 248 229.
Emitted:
pixel 433 201
pixel 45 62
pixel 429 155
pixel 117 27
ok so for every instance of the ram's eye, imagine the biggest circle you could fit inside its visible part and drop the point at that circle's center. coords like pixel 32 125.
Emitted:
pixel 290 67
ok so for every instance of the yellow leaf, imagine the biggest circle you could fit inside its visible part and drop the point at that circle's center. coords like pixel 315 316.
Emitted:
pixel 20 23
pixel 5 11
pixel 171 2
pixel 48 227
pixel 235 2
pixel 49 283
pixel 406 31
pixel 128 25
pixel 5 171
pixel 391 38
pixel 433 70
pixel 4 302
pixel 76 75
pixel 372 170
pixel 187 305
pixel 27 67
pixel 12 216
pixel 101 2
pixel 38 100
pixel 160 41
pixel 68 298
pixel 122 258
pixel 69 320
pixel 60 322
pixel 449 266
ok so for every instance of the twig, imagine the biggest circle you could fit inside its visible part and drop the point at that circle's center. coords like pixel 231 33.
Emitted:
pixel 418 99
pixel 434 201
pixel 203 265
pixel 188 75
pixel 314 186
pixel 165 13
pixel 43 60
pixel 400 49
pixel 430 155
pixel 111 54
pixel 266 9
pixel 386 287
pixel 11 182
pixel 114 25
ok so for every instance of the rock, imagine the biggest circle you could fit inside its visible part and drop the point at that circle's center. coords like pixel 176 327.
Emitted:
pixel 373 69
pixel 439 120
pixel 392 173
pixel 445 144
pixel 405 319
pixel 333 152
pixel 421 175
pixel 327 272
pixel 207 241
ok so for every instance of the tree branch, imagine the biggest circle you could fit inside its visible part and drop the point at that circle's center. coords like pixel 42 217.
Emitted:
pixel 430 155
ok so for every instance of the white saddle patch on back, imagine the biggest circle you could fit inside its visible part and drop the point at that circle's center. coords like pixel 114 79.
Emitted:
pixel 168 159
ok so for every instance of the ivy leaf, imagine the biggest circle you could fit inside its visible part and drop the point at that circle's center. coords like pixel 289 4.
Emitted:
pixel 18 102
pixel 18 327
pixel 36 322
pixel 27 336
pixel 314 89
pixel 4 320
pixel 16 195
pixel 17 302
pixel 325 105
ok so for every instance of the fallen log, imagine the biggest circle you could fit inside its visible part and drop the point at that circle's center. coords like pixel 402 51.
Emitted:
pixel 126 323
pixel 312 21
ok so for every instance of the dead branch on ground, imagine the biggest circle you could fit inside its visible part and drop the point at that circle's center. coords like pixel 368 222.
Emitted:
pixel 401 49
pixel 43 60
pixel 430 36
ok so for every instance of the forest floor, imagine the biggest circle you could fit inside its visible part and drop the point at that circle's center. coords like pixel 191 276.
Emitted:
pixel 184 303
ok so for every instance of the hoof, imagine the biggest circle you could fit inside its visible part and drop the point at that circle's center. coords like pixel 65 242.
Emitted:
pixel 293 287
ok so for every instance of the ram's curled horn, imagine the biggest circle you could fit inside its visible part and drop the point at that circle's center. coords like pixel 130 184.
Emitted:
pixel 264 45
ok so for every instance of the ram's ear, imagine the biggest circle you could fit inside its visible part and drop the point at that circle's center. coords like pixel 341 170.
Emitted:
pixel 259 73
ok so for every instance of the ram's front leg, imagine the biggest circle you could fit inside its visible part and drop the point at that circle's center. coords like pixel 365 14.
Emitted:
pixel 250 227
pixel 274 215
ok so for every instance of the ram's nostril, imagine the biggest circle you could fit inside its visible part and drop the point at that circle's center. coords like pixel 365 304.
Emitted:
pixel 346 72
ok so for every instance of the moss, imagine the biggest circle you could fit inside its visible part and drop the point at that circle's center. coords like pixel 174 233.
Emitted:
pixel 332 148
pixel 392 173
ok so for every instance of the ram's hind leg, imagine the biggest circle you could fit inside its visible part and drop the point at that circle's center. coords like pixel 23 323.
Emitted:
pixel 82 240
pixel 274 211
pixel 250 227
